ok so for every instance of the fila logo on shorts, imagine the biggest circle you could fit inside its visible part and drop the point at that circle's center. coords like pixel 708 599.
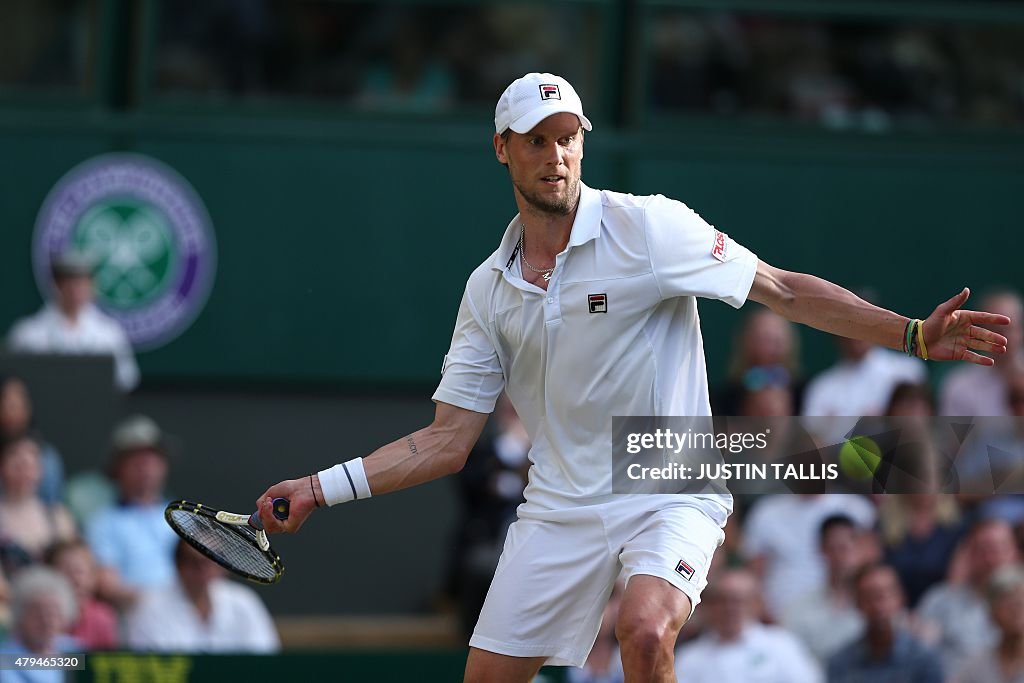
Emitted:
pixel 685 570
pixel 718 250
pixel 549 91
pixel 598 303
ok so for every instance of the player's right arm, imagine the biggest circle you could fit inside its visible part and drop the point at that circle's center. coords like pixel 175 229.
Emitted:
pixel 437 450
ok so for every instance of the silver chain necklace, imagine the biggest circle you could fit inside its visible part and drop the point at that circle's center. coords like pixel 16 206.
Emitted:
pixel 544 272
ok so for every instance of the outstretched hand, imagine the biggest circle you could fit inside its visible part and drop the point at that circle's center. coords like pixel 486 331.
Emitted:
pixel 953 334
pixel 299 493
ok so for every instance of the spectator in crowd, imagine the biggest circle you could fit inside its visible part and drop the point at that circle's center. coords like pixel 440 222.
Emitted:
pixel 957 612
pixel 490 487
pixel 27 524
pixel 737 648
pixel 827 620
pixel 888 652
pixel 131 540
pixel 72 323
pixel 604 663
pixel 95 625
pixel 765 355
pixel 201 612
pixel 861 383
pixel 989 461
pixel 1005 662
pixel 43 606
pixel 920 532
pixel 982 390
pixel 16 420
pixel 780 540
pixel 910 400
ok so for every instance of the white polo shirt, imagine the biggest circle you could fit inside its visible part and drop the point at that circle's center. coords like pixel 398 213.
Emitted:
pixel 615 334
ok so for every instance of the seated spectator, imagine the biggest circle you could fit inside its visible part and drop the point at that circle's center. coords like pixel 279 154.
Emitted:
pixel 1005 662
pixel 43 606
pixel 95 625
pixel 957 612
pixel 765 355
pixel 737 648
pixel 604 663
pixel 15 421
pixel 910 400
pixel 974 390
pixel 201 612
pixel 990 459
pixel 780 538
pixel 888 652
pixel 27 524
pixel 131 540
pixel 921 532
pixel 71 323
pixel 827 620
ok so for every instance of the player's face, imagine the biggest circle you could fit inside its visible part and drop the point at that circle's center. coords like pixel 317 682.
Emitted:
pixel 546 163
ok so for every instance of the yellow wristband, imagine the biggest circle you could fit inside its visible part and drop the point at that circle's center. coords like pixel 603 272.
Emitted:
pixel 920 339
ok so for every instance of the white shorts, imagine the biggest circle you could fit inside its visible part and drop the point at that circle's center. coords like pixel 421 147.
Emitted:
pixel 555 574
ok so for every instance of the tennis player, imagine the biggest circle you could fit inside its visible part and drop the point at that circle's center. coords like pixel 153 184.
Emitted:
pixel 587 309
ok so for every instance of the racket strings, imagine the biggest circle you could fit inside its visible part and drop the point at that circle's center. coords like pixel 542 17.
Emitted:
pixel 233 547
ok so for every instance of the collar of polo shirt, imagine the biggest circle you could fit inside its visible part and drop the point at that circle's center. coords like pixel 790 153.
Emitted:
pixel 585 227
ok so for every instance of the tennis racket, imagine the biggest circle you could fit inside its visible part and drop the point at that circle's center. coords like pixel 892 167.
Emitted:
pixel 236 542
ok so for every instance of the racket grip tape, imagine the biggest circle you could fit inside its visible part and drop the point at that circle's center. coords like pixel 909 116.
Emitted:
pixel 279 508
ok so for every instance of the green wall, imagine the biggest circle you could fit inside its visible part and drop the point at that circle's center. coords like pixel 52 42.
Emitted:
pixel 344 245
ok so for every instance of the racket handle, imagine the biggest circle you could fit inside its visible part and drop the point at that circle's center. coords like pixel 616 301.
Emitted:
pixel 280 507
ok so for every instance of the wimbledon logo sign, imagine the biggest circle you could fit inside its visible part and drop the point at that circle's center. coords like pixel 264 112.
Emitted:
pixel 149 234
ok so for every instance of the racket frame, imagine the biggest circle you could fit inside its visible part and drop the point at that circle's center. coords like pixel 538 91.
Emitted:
pixel 236 523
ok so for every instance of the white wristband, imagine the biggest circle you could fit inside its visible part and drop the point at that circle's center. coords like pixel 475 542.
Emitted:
pixel 344 482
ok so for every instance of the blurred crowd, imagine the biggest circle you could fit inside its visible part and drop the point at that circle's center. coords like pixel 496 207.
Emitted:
pixel 841 587
pixel 834 587
pixel 840 73
pixel 865 72
pixel 87 561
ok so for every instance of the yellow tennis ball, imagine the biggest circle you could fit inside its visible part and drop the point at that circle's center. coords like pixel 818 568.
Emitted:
pixel 859 458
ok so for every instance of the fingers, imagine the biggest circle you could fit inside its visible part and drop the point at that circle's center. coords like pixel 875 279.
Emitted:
pixel 977 359
pixel 955 302
pixel 983 318
pixel 265 507
pixel 988 336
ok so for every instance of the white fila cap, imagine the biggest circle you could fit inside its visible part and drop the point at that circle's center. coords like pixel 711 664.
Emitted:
pixel 533 98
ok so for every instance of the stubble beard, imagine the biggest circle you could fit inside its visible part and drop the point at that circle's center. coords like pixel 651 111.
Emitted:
pixel 561 205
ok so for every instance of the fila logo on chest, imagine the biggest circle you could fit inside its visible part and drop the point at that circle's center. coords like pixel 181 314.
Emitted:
pixel 597 303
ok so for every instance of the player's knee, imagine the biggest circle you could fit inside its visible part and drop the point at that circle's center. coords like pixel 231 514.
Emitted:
pixel 646 635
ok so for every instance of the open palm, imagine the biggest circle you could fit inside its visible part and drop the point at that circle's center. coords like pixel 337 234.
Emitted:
pixel 953 334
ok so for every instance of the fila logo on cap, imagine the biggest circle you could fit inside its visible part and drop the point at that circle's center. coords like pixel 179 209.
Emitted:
pixel 598 303
pixel 549 91
pixel 685 570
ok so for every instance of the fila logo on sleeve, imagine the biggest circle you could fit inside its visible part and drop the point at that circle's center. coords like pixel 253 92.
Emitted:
pixel 550 92
pixel 685 570
pixel 598 303
pixel 718 250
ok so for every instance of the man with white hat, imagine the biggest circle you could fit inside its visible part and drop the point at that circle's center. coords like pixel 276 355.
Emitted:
pixel 587 310
pixel 71 323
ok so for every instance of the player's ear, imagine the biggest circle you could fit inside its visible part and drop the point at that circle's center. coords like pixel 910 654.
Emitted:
pixel 499 148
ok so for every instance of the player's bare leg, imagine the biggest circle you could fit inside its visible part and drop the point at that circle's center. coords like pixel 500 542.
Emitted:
pixel 652 613
pixel 490 667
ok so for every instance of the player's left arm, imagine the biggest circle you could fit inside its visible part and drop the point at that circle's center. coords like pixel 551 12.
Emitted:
pixel 949 332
